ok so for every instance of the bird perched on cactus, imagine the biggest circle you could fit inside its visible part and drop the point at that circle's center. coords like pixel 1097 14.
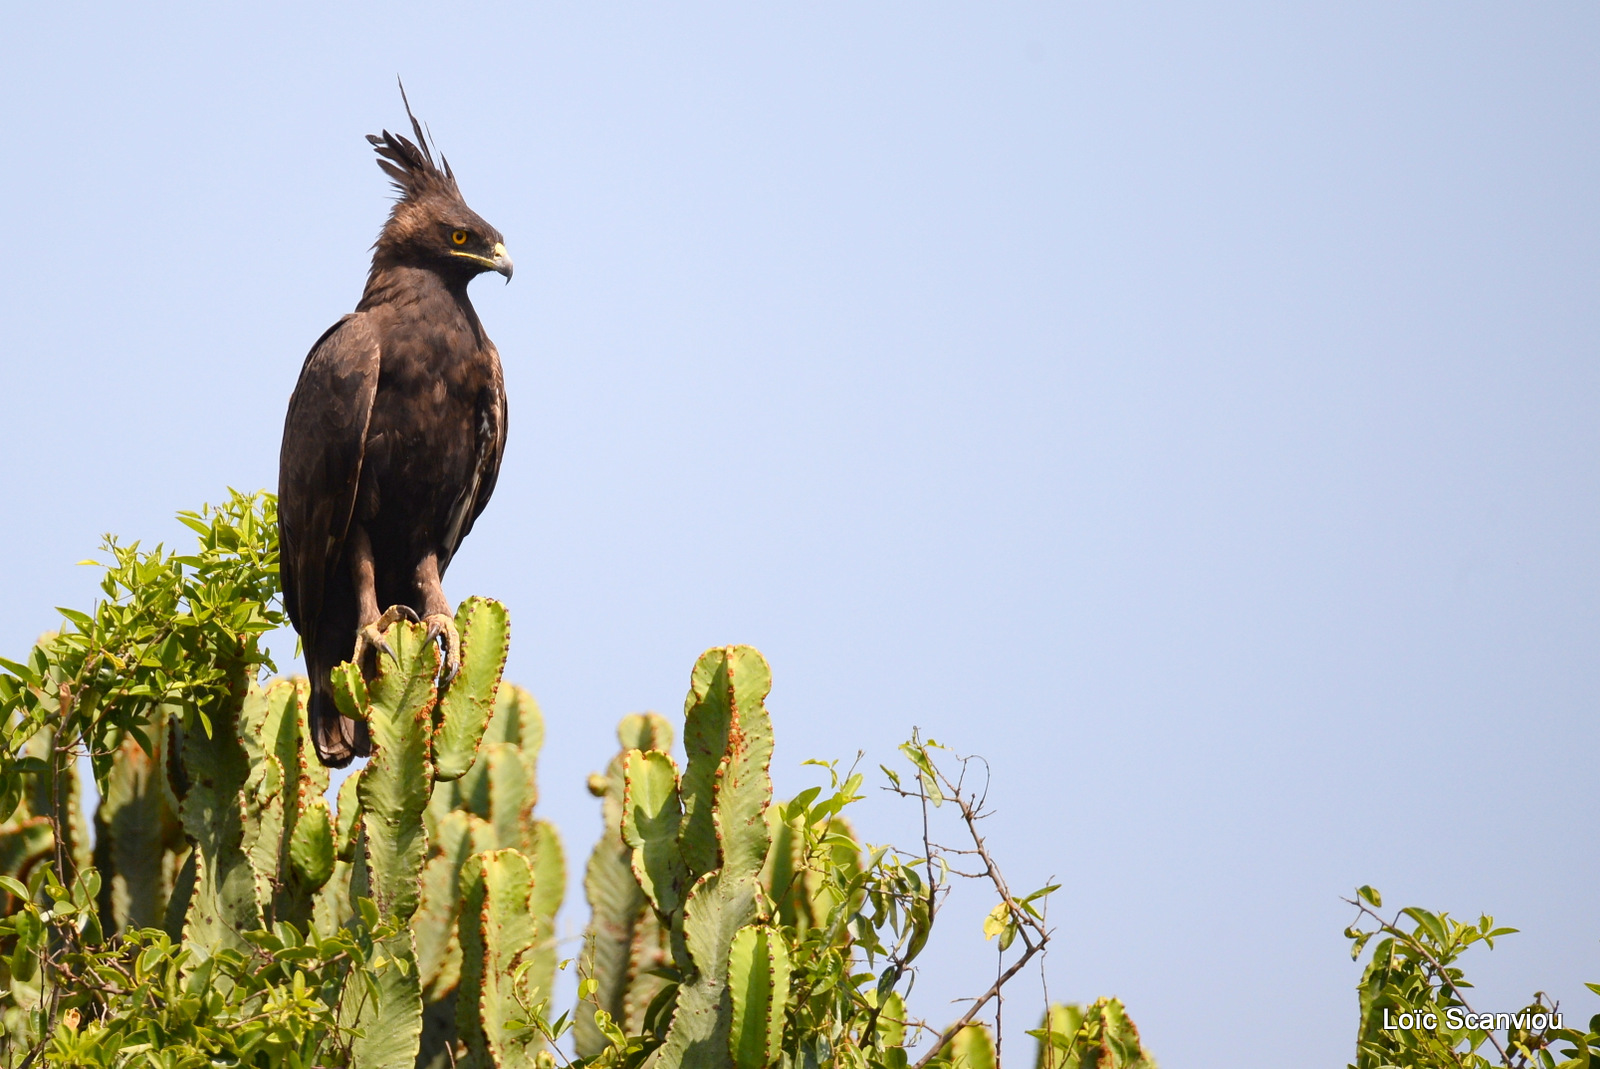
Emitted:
pixel 393 439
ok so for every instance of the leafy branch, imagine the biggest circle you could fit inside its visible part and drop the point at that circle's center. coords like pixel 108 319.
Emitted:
pixel 1014 917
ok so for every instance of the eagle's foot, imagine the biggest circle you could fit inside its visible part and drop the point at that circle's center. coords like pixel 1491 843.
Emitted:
pixel 442 626
pixel 369 639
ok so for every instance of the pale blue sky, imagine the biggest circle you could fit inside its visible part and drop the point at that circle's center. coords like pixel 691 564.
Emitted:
pixel 1192 410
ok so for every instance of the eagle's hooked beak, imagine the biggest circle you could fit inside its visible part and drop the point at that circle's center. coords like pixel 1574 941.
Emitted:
pixel 500 263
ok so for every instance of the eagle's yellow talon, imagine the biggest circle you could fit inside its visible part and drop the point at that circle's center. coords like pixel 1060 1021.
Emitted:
pixel 370 637
pixel 441 625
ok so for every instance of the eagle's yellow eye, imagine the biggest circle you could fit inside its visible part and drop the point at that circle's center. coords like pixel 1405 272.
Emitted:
pixel 459 237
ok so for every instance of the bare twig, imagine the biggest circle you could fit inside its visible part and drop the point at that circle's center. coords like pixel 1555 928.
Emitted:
pixel 999 1005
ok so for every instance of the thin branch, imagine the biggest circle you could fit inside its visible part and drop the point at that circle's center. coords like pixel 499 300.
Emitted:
pixel 999 1005
pixel 966 1018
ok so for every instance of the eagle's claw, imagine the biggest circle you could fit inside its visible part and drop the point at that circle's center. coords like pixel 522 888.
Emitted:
pixel 442 626
pixel 370 637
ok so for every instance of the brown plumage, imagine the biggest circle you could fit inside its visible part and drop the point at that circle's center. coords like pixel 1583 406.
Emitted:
pixel 393 439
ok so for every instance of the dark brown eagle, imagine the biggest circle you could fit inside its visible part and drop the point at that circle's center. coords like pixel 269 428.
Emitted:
pixel 393 439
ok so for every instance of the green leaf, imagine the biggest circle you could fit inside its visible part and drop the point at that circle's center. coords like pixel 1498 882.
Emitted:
pixel 84 621
pixel 1429 922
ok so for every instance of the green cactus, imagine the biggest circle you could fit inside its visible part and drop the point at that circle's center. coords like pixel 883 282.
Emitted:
pixel 331 908
pixel 487 807
pixel 758 977
pixel 25 841
pixel 624 941
pixel 288 832
pixel 548 860
pixel 267 848
pixel 396 792
pixel 710 856
pixel 434 923
pixel 222 904
pixel 717 938
pixel 451 779
pixel 40 798
pixel 652 820
pixel 393 791
pixel 725 790
pixel 1098 1036
pixel 139 843
pixel 796 884
pixel 282 823
pixel 466 707
pixel 499 937
pixel 27 836
pixel 699 843
pixel 972 1047
pixel 516 727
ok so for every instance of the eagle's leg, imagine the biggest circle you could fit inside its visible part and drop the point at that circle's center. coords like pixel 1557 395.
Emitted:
pixel 369 635
pixel 437 615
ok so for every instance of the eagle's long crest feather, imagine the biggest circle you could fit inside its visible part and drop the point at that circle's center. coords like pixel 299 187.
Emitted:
pixel 410 163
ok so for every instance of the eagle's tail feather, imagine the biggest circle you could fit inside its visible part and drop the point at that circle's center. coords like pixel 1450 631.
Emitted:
pixel 338 739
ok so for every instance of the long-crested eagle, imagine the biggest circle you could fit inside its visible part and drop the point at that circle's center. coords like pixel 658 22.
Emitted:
pixel 393 439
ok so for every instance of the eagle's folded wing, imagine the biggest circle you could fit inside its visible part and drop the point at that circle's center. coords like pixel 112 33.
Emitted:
pixel 319 467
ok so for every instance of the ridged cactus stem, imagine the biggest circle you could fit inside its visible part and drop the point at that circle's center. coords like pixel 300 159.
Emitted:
pixel 287 829
pixel 407 717
pixel 137 835
pixel 393 791
pixel 1097 1036
pixel 499 933
pixel 223 902
pixel 622 926
pixel 723 842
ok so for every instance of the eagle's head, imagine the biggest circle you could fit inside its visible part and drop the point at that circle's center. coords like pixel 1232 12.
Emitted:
pixel 431 225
